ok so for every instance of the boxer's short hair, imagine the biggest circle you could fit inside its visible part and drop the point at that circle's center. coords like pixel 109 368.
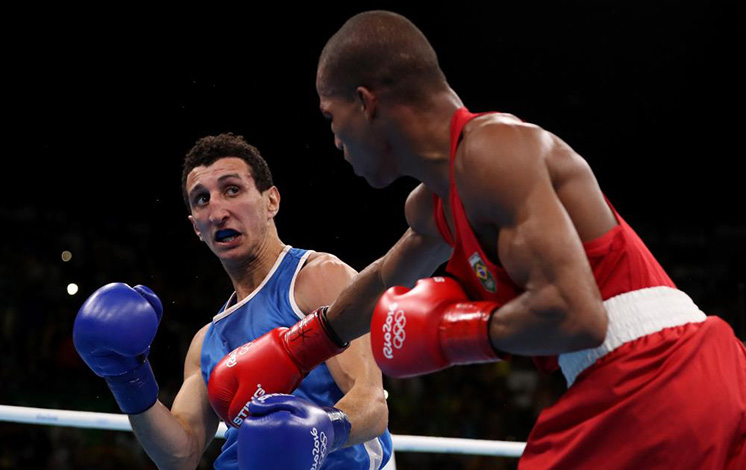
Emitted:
pixel 209 149
pixel 384 52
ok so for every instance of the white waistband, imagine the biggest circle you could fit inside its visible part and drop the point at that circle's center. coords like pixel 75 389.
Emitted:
pixel 633 315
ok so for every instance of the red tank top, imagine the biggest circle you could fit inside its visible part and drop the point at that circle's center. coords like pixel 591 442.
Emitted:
pixel 620 260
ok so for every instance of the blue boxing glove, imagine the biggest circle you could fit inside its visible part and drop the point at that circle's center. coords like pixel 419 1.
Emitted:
pixel 286 432
pixel 112 333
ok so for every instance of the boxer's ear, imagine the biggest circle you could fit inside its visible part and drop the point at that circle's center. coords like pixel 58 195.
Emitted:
pixel 273 201
pixel 194 226
pixel 368 101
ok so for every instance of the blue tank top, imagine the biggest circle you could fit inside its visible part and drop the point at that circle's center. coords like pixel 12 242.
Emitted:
pixel 273 305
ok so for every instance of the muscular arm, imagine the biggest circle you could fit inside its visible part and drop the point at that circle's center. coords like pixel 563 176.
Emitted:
pixel 417 254
pixel 510 187
pixel 354 371
pixel 177 438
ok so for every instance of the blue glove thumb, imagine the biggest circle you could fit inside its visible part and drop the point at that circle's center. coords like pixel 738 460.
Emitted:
pixel 288 432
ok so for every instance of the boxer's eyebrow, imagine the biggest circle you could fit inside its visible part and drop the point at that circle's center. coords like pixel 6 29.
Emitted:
pixel 245 178
pixel 196 188
pixel 199 186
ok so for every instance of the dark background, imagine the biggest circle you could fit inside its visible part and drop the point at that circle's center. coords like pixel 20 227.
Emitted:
pixel 101 105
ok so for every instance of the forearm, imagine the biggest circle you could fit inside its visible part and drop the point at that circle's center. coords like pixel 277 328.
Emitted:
pixel 368 414
pixel 350 314
pixel 412 258
pixel 543 322
pixel 166 439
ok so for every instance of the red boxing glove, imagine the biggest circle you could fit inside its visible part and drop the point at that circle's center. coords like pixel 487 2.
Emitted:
pixel 273 363
pixel 430 327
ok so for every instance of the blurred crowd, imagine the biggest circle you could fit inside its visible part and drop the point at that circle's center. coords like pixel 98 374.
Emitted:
pixel 40 367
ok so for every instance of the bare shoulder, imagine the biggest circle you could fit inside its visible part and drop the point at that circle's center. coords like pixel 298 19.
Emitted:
pixel 199 336
pixel 321 280
pixel 500 160
pixel 419 210
pixel 506 164
pixel 496 142
pixel 501 135
pixel 193 357
pixel 326 265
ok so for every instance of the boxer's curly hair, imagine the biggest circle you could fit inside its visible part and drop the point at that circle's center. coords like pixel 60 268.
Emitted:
pixel 384 52
pixel 211 148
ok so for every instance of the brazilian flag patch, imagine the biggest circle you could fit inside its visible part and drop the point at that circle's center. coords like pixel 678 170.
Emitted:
pixel 482 273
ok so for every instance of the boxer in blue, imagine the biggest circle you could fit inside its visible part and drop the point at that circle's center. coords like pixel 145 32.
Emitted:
pixel 337 412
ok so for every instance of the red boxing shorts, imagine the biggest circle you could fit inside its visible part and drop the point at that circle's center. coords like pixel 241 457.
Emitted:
pixel 651 397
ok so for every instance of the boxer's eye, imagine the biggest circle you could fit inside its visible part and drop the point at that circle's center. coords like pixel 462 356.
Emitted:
pixel 200 199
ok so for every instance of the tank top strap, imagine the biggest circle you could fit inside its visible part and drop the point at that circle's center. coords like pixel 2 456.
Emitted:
pixel 458 121
pixel 440 220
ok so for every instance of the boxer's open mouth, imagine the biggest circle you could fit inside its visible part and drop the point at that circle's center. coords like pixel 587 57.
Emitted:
pixel 226 235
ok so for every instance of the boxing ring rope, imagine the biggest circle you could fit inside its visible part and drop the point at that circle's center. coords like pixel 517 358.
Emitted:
pixel 119 422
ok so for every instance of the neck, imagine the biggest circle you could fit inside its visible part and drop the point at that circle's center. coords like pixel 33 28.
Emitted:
pixel 247 274
pixel 424 138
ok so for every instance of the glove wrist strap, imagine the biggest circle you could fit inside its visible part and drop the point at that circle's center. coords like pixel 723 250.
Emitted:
pixel 341 425
pixel 328 328
pixel 466 337
pixel 135 391
pixel 310 342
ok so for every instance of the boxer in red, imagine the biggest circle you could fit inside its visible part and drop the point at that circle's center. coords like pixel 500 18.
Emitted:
pixel 543 266
pixel 539 262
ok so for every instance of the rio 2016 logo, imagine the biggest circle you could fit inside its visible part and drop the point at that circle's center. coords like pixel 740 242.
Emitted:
pixel 393 330
pixel 319 448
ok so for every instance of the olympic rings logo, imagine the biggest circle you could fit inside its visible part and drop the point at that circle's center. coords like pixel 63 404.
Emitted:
pixel 233 356
pixel 393 330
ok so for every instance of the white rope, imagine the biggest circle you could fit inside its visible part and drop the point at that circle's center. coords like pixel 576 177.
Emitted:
pixel 451 445
pixel 119 422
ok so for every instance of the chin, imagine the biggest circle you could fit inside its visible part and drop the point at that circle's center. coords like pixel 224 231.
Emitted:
pixel 230 254
pixel 377 184
pixel 379 181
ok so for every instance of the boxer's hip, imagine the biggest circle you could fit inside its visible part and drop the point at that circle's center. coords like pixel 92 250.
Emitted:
pixel 633 315
pixel 671 398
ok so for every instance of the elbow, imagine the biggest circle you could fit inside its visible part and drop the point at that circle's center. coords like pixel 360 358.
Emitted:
pixel 185 461
pixel 187 457
pixel 578 321
pixel 589 330
pixel 178 464
pixel 600 325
